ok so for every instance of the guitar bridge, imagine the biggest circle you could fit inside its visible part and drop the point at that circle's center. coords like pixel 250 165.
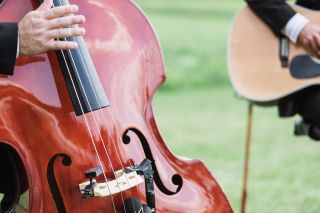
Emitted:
pixel 284 52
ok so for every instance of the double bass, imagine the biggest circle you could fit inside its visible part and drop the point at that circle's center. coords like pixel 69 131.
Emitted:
pixel 78 129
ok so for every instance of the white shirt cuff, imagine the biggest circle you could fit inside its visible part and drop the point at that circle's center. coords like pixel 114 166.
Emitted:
pixel 17 55
pixel 294 27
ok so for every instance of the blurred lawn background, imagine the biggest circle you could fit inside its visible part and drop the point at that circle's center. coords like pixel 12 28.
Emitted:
pixel 199 116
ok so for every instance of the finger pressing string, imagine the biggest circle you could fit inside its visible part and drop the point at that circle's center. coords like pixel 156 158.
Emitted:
pixel 62 45
pixel 65 32
pixel 60 11
pixel 317 40
pixel 313 48
pixel 47 4
pixel 65 21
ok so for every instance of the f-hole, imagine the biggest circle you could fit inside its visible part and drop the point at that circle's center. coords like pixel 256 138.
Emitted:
pixel 13 181
pixel 176 178
pixel 54 188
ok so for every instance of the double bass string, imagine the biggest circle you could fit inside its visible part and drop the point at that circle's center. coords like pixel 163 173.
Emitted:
pixel 87 125
pixel 109 132
pixel 104 119
pixel 89 131
pixel 92 114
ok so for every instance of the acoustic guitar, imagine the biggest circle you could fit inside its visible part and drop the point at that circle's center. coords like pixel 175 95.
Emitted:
pixel 255 68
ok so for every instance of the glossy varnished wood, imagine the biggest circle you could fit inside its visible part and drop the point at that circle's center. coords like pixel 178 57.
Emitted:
pixel 38 121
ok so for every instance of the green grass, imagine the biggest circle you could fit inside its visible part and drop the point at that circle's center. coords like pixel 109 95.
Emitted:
pixel 200 117
pixel 193 35
pixel 210 124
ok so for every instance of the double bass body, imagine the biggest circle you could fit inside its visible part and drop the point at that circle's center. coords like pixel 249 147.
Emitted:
pixel 53 147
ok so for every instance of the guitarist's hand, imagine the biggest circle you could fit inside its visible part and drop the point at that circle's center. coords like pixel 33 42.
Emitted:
pixel 309 39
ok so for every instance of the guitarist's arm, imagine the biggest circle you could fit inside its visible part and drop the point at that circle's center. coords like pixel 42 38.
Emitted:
pixel 282 19
pixel 275 13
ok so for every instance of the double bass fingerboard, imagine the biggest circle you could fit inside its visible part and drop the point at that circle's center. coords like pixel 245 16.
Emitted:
pixel 83 83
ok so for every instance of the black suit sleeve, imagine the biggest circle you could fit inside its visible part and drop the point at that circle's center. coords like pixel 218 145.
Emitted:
pixel 8 47
pixel 275 13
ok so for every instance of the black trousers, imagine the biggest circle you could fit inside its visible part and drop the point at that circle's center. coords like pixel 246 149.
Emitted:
pixel 6 175
pixel 305 103
pixel 8 181
pixel 310 104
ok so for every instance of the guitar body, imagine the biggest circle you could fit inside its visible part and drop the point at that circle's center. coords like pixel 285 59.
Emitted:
pixel 254 65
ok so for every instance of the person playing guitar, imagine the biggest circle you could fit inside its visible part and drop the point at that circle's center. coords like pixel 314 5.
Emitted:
pixel 285 21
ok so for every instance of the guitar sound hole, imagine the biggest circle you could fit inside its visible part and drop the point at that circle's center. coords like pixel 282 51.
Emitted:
pixel 13 182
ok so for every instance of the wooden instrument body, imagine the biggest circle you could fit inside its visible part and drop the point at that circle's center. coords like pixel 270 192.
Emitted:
pixel 38 121
pixel 253 59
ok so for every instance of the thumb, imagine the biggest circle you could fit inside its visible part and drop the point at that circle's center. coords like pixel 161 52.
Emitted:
pixel 46 5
